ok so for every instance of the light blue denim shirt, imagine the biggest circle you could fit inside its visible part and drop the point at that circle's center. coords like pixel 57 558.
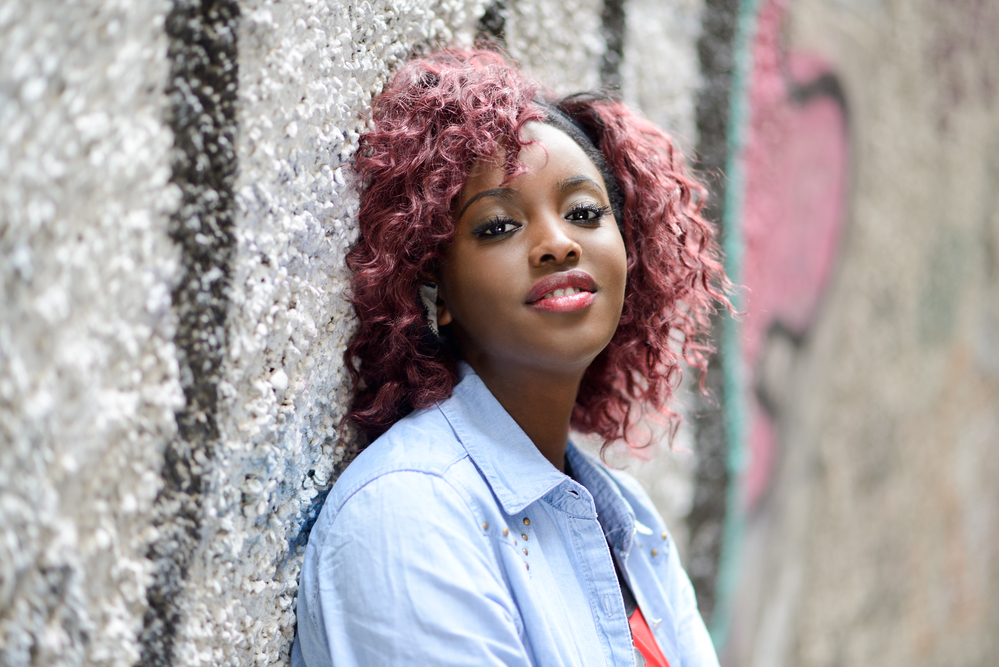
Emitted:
pixel 452 541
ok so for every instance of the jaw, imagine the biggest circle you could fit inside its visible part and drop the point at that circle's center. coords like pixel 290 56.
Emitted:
pixel 546 345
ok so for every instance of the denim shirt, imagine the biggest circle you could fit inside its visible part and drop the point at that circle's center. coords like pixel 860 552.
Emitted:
pixel 451 540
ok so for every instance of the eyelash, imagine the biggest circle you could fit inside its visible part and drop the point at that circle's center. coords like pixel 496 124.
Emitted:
pixel 483 230
pixel 598 212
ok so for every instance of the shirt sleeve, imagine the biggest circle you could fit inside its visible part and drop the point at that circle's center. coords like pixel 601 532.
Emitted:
pixel 405 575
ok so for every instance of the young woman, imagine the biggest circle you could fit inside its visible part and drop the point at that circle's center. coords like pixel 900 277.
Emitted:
pixel 524 267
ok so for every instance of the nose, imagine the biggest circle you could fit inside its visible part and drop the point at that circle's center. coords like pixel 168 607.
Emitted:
pixel 552 241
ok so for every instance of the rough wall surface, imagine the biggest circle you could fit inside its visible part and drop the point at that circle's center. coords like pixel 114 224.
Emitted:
pixel 878 541
pixel 660 73
pixel 89 379
pixel 176 202
pixel 559 43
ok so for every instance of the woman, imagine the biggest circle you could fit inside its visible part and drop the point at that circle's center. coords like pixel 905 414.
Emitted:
pixel 523 267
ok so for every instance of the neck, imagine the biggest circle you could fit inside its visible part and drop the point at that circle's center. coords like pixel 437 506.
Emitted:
pixel 540 401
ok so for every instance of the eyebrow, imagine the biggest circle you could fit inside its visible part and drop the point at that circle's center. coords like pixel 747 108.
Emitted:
pixel 501 193
pixel 562 186
pixel 574 181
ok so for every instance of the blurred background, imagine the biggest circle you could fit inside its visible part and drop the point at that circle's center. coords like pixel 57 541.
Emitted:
pixel 175 203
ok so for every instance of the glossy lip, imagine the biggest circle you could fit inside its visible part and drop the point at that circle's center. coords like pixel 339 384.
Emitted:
pixel 563 280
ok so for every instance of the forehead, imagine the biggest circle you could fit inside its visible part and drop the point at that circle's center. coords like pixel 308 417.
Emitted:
pixel 552 149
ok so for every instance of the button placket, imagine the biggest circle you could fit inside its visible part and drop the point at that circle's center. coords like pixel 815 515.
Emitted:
pixel 523 535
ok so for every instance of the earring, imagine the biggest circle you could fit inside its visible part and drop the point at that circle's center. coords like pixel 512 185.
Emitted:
pixel 428 295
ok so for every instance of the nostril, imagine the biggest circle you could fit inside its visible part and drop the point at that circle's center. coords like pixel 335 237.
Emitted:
pixel 560 258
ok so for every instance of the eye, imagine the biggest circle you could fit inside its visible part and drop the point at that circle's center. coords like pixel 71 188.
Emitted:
pixel 495 227
pixel 587 213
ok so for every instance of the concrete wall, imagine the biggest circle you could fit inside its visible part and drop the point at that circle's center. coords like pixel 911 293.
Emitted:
pixel 175 203
pixel 89 376
pixel 873 513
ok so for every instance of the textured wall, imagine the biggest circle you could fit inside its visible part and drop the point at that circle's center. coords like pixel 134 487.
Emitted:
pixel 876 542
pixel 89 378
pixel 660 72
pixel 175 202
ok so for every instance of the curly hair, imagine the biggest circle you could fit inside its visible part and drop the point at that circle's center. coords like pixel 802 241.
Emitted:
pixel 438 116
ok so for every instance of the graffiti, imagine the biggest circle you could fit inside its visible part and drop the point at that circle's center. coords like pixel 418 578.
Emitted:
pixel 796 161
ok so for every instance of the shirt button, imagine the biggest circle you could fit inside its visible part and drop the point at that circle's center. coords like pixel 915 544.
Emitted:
pixel 527 522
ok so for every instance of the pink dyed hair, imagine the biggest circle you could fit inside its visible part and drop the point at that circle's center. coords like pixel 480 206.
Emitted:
pixel 435 119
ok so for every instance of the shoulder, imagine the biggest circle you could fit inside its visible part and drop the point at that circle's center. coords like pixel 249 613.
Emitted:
pixel 421 444
pixel 630 489
pixel 407 484
pixel 400 535
pixel 417 476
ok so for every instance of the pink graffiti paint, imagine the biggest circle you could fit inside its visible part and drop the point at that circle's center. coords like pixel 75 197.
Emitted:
pixel 796 161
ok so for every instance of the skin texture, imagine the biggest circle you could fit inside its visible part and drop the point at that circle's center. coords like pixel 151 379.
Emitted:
pixel 553 218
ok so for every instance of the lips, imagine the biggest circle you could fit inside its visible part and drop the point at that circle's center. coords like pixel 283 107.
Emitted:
pixel 563 292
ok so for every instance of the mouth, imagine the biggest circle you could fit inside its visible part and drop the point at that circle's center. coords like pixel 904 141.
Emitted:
pixel 563 292
pixel 568 291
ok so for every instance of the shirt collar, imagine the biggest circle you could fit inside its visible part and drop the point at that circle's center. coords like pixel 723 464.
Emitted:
pixel 616 516
pixel 514 468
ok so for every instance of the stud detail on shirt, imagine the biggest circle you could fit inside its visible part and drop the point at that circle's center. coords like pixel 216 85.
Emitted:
pixel 506 531
pixel 485 526
pixel 527 522
pixel 664 536
pixel 655 552
pixel 524 535
pixel 525 551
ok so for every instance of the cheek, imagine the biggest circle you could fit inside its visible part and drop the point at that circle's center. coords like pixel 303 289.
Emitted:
pixel 472 287
pixel 616 258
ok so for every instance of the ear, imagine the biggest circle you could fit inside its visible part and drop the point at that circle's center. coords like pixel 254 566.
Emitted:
pixel 443 312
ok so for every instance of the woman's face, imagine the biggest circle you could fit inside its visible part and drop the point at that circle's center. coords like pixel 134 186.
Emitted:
pixel 536 275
